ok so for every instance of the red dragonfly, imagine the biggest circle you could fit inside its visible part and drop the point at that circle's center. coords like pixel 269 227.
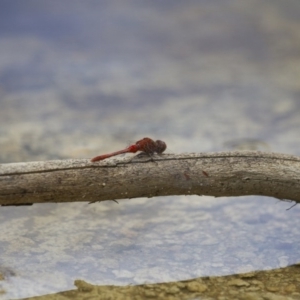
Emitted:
pixel 146 145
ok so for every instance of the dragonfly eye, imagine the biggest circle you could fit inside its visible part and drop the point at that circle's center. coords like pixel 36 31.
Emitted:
pixel 160 146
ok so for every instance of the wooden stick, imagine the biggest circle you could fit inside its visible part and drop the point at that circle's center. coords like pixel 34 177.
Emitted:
pixel 214 174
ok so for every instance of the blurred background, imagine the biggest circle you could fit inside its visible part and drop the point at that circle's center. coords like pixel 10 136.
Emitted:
pixel 81 78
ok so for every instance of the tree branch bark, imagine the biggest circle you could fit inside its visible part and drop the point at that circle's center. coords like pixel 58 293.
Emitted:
pixel 214 174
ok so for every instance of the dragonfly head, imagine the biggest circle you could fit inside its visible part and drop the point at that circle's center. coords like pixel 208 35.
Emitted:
pixel 160 146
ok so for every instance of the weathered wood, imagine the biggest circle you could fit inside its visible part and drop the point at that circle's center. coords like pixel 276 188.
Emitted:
pixel 214 174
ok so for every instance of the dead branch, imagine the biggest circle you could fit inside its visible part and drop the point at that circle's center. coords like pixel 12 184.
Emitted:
pixel 214 174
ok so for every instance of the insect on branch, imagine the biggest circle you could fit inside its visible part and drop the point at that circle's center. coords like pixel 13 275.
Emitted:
pixel 214 174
